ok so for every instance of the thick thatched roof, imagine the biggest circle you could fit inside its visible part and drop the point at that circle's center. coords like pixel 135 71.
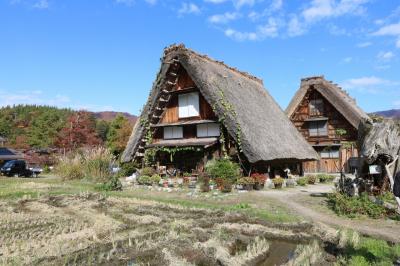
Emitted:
pixel 266 133
pixel 346 105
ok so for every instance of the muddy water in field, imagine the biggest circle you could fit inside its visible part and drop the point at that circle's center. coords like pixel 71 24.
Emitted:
pixel 279 253
pixel 93 230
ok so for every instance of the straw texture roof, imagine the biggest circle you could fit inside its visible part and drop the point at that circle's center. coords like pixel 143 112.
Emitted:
pixel 342 101
pixel 266 133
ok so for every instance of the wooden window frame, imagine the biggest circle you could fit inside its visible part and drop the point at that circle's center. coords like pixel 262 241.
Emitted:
pixel 180 106
pixel 319 133
pixel 313 107
pixel 173 128
pixel 207 135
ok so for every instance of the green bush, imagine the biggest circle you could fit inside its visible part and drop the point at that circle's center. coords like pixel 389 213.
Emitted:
pixel 355 206
pixel 302 181
pixel 155 179
pixel 127 169
pixel 223 168
pixel 46 169
pixel 114 184
pixel 324 178
pixel 311 179
pixel 147 171
pixel 144 180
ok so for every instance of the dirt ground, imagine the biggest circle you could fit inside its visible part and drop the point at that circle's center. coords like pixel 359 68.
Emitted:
pixel 310 202
pixel 90 229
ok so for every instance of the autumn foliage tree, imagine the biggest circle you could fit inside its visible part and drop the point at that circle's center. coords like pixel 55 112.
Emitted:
pixel 118 134
pixel 79 131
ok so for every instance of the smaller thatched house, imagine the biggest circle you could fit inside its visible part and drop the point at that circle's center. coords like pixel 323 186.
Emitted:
pixel 199 109
pixel 329 119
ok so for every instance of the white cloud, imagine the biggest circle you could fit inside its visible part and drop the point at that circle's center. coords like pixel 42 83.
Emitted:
pixel 295 27
pixel 41 4
pixel 396 104
pixel 189 8
pixel 385 56
pixel 347 60
pixel 240 3
pixel 322 9
pixel 224 18
pixel 369 84
pixel 269 30
pixel 32 97
pixel 276 5
pixel 388 30
pixel 364 44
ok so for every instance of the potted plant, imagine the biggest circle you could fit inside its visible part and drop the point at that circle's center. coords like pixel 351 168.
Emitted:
pixel 246 183
pixel 259 180
pixel 205 184
pixel 290 182
pixel 223 171
pixel 278 182
pixel 213 185
pixel 312 179
pixel 226 186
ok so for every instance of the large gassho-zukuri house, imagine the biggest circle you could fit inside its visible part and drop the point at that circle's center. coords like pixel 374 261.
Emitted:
pixel 200 109
pixel 329 120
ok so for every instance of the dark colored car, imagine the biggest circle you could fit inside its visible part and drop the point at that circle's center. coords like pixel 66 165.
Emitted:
pixel 16 168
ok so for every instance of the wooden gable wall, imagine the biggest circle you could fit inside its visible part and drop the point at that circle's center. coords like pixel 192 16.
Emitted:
pixel 186 84
pixel 335 121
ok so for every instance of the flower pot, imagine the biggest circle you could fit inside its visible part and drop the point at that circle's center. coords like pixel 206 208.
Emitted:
pixel 278 186
pixel 258 186
pixel 248 187
pixel 239 187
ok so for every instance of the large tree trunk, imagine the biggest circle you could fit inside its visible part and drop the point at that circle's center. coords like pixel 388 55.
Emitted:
pixel 380 143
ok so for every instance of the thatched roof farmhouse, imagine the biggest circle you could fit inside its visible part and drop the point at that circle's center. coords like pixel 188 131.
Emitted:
pixel 249 115
pixel 321 110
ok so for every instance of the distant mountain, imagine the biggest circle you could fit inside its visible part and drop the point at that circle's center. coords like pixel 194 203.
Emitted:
pixel 109 116
pixel 394 113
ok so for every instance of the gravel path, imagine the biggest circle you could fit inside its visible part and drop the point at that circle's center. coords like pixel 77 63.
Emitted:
pixel 309 202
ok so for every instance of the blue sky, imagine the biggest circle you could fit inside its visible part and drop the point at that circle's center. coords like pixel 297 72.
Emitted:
pixel 104 54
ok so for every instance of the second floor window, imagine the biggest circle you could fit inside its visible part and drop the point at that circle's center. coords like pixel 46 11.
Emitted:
pixel 173 132
pixel 208 130
pixel 318 128
pixel 316 107
pixel 189 105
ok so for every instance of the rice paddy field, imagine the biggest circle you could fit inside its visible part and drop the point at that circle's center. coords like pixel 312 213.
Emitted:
pixel 49 222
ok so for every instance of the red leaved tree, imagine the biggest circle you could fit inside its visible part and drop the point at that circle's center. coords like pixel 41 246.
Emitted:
pixel 79 131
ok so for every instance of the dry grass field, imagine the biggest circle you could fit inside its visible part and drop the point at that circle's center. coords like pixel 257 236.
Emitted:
pixel 53 223
pixel 47 221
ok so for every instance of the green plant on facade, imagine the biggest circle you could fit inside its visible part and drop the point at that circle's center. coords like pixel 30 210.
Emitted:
pixel 227 108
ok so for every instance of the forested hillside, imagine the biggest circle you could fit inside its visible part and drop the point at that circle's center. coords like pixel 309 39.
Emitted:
pixel 31 126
